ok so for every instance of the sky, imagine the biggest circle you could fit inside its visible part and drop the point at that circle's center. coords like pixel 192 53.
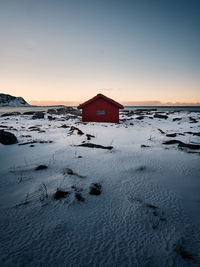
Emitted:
pixel 129 50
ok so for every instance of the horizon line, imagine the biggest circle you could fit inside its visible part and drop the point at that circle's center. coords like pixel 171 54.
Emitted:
pixel 125 103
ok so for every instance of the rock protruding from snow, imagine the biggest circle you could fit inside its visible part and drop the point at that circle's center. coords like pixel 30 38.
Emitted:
pixel 7 138
pixel 64 110
pixel 12 101
pixel 38 115
pixel 95 189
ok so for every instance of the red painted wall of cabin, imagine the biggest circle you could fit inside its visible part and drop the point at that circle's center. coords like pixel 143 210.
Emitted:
pixel 111 112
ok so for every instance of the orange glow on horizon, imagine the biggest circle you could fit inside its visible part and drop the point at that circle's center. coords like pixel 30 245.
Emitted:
pixel 48 92
pixel 126 103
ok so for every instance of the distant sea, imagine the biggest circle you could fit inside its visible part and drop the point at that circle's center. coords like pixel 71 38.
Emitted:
pixel 158 108
pixel 166 108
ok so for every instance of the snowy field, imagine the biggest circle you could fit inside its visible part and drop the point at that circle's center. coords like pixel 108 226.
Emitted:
pixel 147 208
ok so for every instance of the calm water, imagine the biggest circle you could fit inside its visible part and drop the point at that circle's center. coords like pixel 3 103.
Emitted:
pixel 167 108
pixel 158 108
pixel 25 109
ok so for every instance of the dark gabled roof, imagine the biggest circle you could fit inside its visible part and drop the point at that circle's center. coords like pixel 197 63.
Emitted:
pixel 100 96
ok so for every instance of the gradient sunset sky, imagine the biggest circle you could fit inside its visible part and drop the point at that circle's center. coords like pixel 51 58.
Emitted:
pixel 130 50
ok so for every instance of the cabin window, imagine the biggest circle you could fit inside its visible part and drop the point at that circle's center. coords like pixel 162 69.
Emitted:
pixel 100 112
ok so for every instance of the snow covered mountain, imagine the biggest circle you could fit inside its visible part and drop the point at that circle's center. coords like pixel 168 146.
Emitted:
pixel 12 101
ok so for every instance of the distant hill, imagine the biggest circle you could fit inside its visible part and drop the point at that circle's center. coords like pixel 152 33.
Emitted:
pixel 12 101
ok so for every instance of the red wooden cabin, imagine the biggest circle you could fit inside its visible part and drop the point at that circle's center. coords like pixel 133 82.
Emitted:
pixel 100 109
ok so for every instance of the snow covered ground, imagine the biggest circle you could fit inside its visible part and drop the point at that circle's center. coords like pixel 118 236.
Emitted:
pixel 148 212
